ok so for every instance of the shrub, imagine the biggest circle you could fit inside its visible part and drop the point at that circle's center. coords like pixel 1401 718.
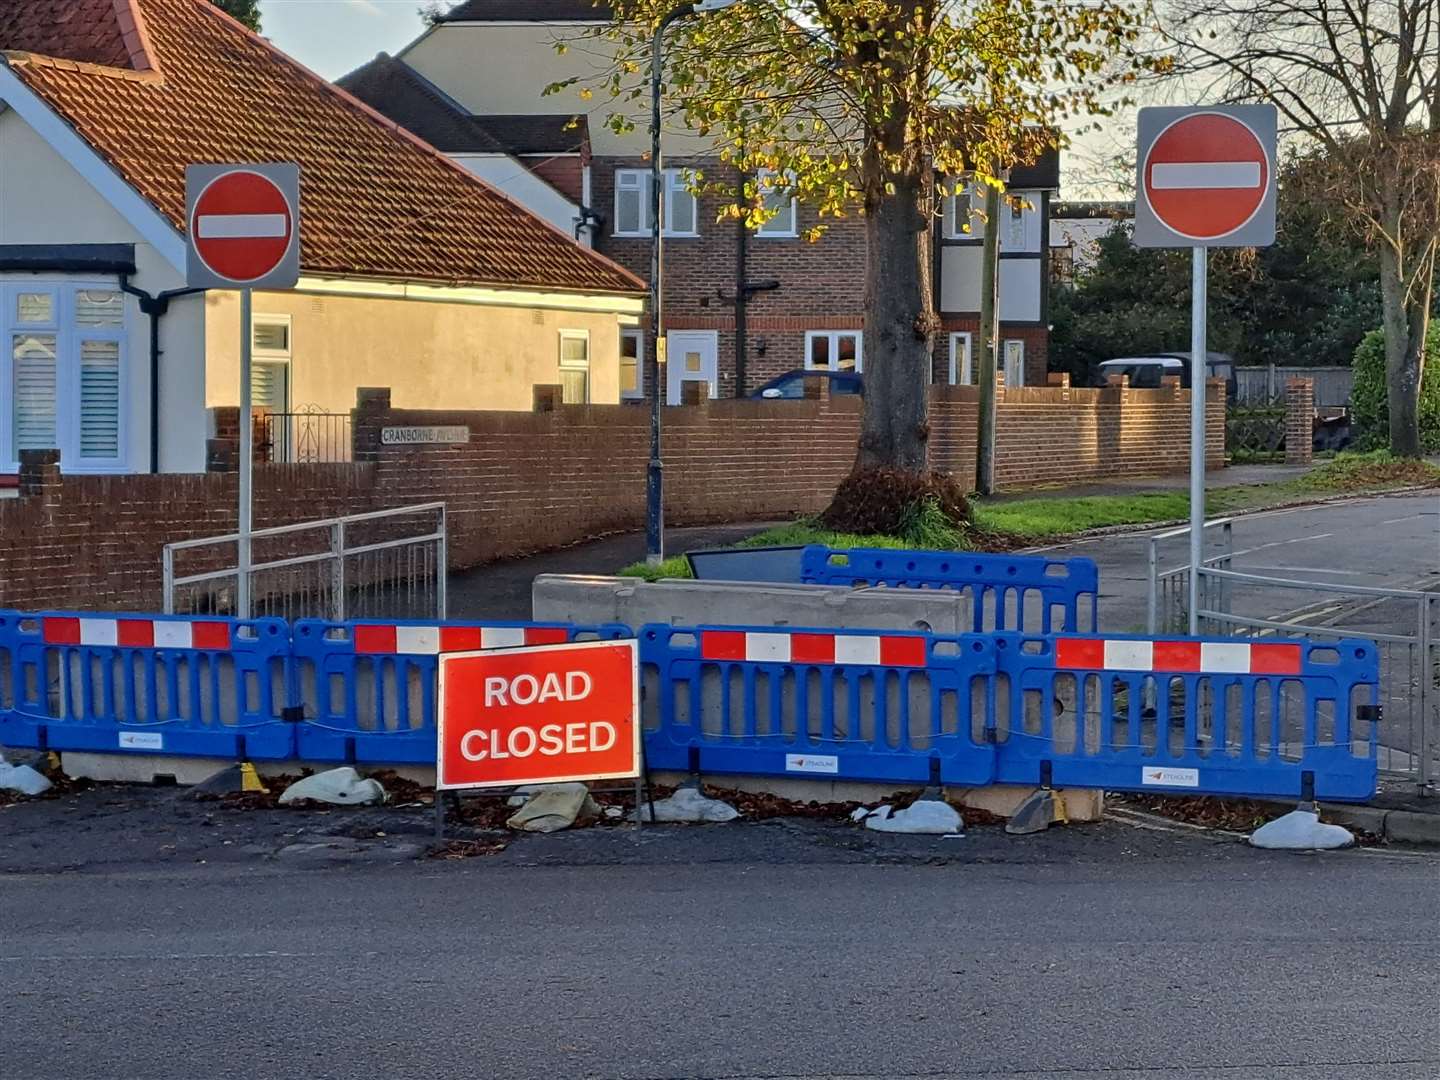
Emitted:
pixel 1368 399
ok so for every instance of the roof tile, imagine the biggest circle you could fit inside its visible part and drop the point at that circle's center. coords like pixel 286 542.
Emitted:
pixel 375 200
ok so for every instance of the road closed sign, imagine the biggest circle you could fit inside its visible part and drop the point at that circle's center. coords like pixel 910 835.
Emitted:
pixel 539 715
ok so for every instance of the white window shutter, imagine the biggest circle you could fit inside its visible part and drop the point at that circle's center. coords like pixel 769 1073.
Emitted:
pixel 99 399
pixel 34 374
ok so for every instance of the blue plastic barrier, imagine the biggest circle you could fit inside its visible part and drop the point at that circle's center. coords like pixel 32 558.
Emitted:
pixel 366 691
pixel 151 684
pixel 818 704
pixel 1227 716
pixel 1028 593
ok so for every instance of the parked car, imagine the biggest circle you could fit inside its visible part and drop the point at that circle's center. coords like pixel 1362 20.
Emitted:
pixel 1146 371
pixel 792 383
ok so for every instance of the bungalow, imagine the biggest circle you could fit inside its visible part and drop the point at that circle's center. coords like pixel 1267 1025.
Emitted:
pixel 416 273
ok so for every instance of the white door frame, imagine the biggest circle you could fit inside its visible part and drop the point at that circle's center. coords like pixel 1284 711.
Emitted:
pixel 677 343
pixel 1019 344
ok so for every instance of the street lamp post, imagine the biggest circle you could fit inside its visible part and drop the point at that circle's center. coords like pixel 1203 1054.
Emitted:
pixel 655 474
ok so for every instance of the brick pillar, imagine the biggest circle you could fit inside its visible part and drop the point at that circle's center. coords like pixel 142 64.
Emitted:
pixel 372 410
pixel 40 475
pixel 1215 392
pixel 1299 421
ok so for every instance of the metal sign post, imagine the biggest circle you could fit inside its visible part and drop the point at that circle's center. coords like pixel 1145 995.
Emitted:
pixel 1206 179
pixel 243 233
pixel 1198 297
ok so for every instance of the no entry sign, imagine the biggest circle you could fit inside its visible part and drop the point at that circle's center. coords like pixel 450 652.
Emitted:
pixel 1206 177
pixel 243 226
pixel 543 714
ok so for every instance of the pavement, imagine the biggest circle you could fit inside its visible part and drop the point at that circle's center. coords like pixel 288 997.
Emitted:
pixel 788 948
pixel 1231 476
pixel 501 590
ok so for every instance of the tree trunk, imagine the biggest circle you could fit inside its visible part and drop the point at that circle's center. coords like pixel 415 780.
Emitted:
pixel 1404 322
pixel 899 326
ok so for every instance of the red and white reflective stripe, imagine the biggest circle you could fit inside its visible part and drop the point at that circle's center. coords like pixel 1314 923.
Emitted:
pixel 789 648
pixel 135 633
pixel 1202 657
pixel 434 640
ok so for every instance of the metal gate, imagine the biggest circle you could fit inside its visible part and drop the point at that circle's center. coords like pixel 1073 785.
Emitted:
pixel 1405 623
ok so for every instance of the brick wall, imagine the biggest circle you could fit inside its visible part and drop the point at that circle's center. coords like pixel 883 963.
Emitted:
pixel 822 284
pixel 1299 421
pixel 533 481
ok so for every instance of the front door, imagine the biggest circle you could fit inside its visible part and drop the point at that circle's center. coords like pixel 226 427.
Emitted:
pixel 691 356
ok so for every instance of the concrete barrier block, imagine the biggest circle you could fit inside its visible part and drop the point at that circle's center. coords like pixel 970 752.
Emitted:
pixel 593 599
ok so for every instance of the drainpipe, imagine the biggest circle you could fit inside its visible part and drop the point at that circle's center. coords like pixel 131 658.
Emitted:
pixel 742 295
pixel 155 307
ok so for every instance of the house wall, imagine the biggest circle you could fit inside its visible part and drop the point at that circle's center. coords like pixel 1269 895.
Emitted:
pixel 532 481
pixel 520 60
pixel 468 356
pixel 44 200
pixel 525 187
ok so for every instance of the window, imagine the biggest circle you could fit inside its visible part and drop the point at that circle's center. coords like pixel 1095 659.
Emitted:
pixel 632 203
pixel 965 204
pixel 775 194
pixel 1019 220
pixel 835 350
pixel 632 364
pixel 575 367
pixel 62 370
pixel 1014 225
pixel 270 363
pixel 962 369
pixel 1062 265
pixel 1014 363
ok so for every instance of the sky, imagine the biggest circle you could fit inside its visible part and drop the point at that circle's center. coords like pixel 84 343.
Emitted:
pixel 332 37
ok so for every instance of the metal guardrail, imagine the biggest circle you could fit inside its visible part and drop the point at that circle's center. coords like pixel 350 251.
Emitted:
pixel 382 564
pixel 1167 599
pixel 1404 623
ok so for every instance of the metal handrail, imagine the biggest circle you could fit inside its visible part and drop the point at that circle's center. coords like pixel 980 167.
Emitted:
pixel 1320 586
pixel 338 552
pixel 322 523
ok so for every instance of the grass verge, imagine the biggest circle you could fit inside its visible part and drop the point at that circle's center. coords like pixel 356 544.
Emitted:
pixel 1004 525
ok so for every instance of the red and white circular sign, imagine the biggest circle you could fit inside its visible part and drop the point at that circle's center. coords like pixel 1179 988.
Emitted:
pixel 242 226
pixel 1206 176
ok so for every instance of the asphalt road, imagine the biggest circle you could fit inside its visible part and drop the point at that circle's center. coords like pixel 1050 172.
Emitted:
pixel 1383 541
pixel 742 951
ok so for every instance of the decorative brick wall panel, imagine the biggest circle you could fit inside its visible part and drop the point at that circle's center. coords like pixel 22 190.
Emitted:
pixel 534 481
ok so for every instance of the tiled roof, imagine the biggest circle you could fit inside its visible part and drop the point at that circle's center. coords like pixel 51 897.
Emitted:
pixel 397 90
pixel 376 202
pixel 529 11
pixel 86 30
pixel 539 134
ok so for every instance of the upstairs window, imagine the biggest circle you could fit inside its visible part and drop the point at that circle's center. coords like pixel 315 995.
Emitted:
pixel 632 204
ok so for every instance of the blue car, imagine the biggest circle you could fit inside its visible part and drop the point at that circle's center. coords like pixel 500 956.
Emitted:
pixel 791 385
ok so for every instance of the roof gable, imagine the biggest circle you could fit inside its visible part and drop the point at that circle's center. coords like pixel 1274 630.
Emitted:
pixel 110 33
pixel 376 201
pixel 397 90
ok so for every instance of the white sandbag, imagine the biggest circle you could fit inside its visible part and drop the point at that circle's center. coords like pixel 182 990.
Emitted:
pixel 687 805
pixel 929 817
pixel 1301 830
pixel 22 778
pixel 339 787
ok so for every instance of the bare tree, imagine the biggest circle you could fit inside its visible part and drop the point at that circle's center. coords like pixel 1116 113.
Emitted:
pixel 1360 78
